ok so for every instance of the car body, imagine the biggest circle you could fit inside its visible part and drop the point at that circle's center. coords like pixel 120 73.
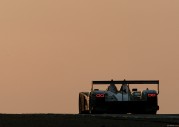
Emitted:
pixel 120 101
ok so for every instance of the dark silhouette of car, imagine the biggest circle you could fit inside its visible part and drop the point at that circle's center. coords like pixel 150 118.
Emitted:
pixel 122 101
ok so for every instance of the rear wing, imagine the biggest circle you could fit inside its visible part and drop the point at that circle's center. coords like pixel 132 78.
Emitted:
pixel 127 82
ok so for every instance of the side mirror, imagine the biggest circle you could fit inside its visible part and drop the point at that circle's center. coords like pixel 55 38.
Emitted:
pixel 135 89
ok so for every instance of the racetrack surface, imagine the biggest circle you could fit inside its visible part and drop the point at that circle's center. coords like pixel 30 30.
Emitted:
pixel 88 120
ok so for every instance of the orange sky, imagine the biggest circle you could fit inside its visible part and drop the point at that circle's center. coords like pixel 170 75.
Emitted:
pixel 52 50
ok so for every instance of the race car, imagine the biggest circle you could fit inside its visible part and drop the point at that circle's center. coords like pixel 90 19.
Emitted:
pixel 117 97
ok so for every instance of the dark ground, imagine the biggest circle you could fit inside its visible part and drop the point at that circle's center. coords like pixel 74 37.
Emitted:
pixel 76 120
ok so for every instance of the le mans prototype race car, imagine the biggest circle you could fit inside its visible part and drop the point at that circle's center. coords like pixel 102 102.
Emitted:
pixel 119 99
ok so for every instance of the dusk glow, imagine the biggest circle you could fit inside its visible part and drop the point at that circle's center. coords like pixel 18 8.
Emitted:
pixel 50 50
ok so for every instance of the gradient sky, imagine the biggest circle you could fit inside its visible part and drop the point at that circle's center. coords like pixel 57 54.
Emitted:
pixel 50 50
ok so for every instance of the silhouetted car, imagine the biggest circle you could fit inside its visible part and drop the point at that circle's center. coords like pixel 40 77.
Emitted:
pixel 112 100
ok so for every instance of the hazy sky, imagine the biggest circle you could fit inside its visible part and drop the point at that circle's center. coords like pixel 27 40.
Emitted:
pixel 50 50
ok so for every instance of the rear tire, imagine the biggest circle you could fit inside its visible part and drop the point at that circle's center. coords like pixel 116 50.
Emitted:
pixel 152 112
pixel 80 105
